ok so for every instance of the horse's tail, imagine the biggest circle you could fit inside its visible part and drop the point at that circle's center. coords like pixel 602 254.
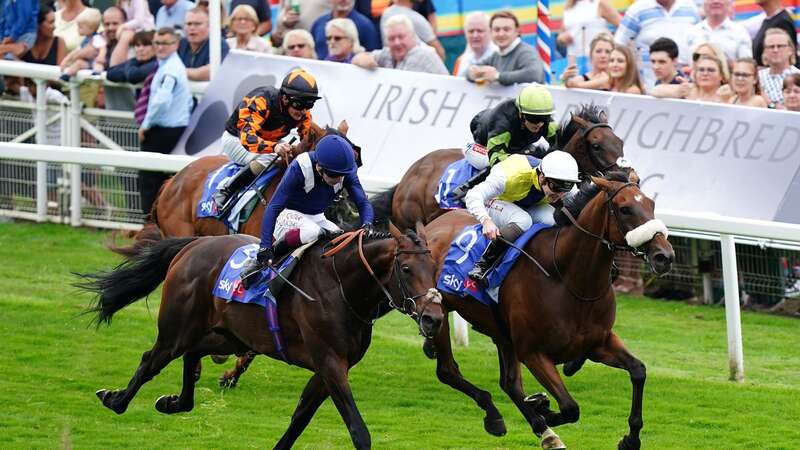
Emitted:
pixel 135 278
pixel 142 238
pixel 382 204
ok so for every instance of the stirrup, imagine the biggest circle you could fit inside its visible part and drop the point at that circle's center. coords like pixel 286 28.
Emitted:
pixel 249 272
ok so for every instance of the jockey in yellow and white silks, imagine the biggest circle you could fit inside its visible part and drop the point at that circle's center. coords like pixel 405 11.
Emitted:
pixel 517 193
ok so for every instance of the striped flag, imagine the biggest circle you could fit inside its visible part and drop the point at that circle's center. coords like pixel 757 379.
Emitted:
pixel 544 40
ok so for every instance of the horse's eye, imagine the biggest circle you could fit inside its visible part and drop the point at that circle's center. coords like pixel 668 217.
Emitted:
pixel 405 268
pixel 596 147
pixel 626 211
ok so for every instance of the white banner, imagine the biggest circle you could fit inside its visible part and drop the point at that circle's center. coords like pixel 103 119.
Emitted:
pixel 729 160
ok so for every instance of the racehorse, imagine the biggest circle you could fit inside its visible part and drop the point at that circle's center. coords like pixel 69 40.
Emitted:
pixel 562 313
pixel 325 320
pixel 174 212
pixel 586 136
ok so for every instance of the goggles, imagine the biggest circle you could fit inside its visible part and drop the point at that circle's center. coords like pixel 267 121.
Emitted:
pixel 330 174
pixel 560 185
pixel 301 103
pixel 531 118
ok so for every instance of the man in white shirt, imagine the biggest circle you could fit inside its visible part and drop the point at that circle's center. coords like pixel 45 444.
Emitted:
pixel 718 29
pixel 403 50
pixel 479 42
pixel 422 27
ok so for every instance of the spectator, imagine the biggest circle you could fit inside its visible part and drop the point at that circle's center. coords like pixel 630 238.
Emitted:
pixel 479 43
pixel 113 19
pixel 622 71
pixel 48 48
pixel 744 84
pixel 404 52
pixel 713 50
pixel 17 27
pixel 718 29
pixel 263 14
pixel 791 92
pixel 422 27
pixel 297 14
pixel 342 37
pixel 597 78
pixel 775 17
pixel 173 13
pixel 138 15
pixel 647 20
pixel 244 24
pixel 134 70
pixel 664 61
pixel 708 79
pixel 83 57
pixel 300 44
pixel 67 26
pixel 779 55
pixel 163 108
pixel 193 49
pixel 583 21
pixel 343 9
pixel 514 62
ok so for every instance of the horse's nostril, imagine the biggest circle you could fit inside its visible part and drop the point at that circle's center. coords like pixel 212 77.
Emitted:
pixel 430 323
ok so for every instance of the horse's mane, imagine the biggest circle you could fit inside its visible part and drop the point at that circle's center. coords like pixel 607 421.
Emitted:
pixel 588 190
pixel 589 112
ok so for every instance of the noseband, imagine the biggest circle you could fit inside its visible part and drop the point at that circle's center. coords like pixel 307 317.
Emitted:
pixel 592 157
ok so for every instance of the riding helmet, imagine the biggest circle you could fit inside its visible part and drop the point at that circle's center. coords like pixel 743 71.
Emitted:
pixel 335 155
pixel 535 100
pixel 559 165
pixel 301 84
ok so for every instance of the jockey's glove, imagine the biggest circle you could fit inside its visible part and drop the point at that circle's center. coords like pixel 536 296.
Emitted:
pixel 369 228
pixel 265 255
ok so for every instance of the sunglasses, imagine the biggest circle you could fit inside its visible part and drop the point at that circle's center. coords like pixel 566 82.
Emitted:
pixel 560 185
pixel 530 118
pixel 295 46
pixel 330 174
pixel 335 38
pixel 301 103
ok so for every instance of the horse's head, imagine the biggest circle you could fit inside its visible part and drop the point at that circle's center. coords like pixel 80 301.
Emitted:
pixel 316 132
pixel 415 274
pixel 633 223
pixel 588 137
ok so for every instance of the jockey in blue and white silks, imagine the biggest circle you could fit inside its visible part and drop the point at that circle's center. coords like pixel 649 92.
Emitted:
pixel 518 193
pixel 296 213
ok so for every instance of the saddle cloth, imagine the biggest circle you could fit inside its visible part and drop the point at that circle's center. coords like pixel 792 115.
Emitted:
pixel 465 251
pixel 454 175
pixel 245 200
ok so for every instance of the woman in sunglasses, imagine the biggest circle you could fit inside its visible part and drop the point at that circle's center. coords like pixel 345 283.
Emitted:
pixel 265 116
pixel 517 194
pixel 296 213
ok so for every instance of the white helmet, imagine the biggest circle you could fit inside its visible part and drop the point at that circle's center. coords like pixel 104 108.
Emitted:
pixel 559 165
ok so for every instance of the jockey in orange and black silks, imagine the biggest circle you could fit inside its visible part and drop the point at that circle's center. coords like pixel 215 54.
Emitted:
pixel 264 117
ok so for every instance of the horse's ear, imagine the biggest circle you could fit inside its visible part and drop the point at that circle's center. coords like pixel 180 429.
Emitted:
pixel 343 127
pixel 420 229
pixel 394 231
pixel 581 122
pixel 602 182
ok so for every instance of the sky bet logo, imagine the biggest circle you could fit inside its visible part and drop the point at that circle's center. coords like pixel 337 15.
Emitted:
pixel 452 281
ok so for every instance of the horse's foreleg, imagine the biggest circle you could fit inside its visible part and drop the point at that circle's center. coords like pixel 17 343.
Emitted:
pixel 511 383
pixel 614 354
pixel 448 373
pixel 313 395
pixel 333 371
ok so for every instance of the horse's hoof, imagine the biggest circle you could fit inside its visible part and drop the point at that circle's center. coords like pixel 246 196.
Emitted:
pixel 629 443
pixel 168 404
pixel 495 427
pixel 551 441
pixel 220 359
pixel 106 398
pixel 227 383
pixel 429 349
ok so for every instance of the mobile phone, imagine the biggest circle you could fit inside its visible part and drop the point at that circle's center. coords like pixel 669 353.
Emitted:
pixel 296 6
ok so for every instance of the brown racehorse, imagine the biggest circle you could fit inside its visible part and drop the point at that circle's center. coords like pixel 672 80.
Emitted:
pixel 564 316
pixel 174 211
pixel 327 333
pixel 587 136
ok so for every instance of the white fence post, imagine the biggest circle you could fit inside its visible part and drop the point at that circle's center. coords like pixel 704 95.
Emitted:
pixel 732 313
pixel 75 141
pixel 41 138
pixel 460 330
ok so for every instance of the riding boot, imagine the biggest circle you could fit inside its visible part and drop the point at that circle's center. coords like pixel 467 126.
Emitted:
pixel 282 248
pixel 244 177
pixel 461 191
pixel 490 256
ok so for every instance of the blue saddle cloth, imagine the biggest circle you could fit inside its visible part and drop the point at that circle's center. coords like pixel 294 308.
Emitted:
pixel 454 176
pixel 244 206
pixel 229 284
pixel 465 251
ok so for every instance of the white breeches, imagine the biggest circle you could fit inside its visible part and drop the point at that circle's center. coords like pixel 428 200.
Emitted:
pixel 310 226
pixel 233 149
pixel 476 155
pixel 505 213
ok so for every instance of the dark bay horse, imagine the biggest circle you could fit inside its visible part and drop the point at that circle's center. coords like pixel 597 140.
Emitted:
pixel 564 316
pixel 174 211
pixel 586 136
pixel 327 334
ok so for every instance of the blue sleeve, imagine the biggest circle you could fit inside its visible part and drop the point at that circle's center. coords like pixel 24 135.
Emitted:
pixel 357 195
pixel 318 32
pixel 117 73
pixel 223 50
pixel 137 73
pixel 368 34
pixel 291 182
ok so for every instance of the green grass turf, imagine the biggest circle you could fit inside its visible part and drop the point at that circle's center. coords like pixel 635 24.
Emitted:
pixel 52 362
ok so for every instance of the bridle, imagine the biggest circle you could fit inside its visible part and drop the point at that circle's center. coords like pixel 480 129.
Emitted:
pixel 612 246
pixel 408 306
pixel 598 165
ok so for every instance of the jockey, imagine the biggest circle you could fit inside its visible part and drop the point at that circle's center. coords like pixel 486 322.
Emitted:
pixel 263 117
pixel 295 215
pixel 518 193
pixel 522 125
